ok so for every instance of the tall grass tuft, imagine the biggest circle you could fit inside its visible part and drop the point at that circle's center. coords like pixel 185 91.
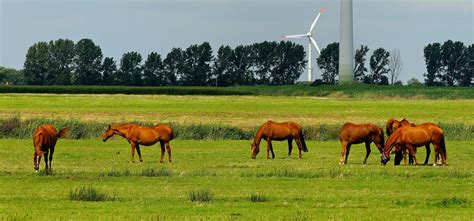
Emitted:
pixel 452 202
pixel 256 198
pixel 152 172
pixel 116 173
pixel 200 195
pixel 88 194
pixel 13 127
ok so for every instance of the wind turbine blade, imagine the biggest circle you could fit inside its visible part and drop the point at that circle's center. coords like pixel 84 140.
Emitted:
pixel 315 45
pixel 295 36
pixel 314 22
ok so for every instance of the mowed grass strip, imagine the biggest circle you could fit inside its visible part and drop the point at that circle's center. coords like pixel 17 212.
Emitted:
pixel 244 111
pixel 315 187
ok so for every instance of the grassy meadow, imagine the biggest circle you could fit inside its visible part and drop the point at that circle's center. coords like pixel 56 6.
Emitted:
pixel 315 187
pixel 245 111
pixel 216 179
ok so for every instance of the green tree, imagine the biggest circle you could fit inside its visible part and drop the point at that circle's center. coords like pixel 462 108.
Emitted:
pixel 432 53
pixel 88 62
pixel 289 64
pixel 359 60
pixel 37 63
pixel 265 61
pixel 60 66
pixel 242 65
pixel 467 73
pixel 153 70
pixel 10 76
pixel 222 67
pixel 328 62
pixel 379 67
pixel 453 59
pixel 109 71
pixel 173 66
pixel 197 65
pixel 130 72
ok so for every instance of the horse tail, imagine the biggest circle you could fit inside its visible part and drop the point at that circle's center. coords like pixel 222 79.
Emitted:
pixel 442 144
pixel 303 143
pixel 171 133
pixel 63 132
pixel 382 139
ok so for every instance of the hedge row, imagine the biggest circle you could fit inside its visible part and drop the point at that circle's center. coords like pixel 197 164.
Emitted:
pixel 16 128
pixel 353 91
pixel 120 90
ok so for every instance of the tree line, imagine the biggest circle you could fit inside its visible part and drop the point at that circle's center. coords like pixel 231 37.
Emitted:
pixel 63 62
pixel 447 64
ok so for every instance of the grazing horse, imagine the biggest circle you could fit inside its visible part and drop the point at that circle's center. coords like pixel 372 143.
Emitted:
pixel 411 137
pixel 401 151
pixel 279 131
pixel 44 141
pixel 359 133
pixel 147 136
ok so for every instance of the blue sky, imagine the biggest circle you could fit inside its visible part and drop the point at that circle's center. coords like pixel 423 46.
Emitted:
pixel 145 26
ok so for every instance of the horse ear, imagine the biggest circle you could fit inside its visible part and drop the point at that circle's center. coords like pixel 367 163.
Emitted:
pixel 108 126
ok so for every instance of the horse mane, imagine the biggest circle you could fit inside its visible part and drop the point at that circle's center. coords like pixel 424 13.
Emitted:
pixel 389 126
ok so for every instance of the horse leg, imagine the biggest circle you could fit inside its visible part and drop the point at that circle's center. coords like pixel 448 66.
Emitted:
pixel 269 144
pixel 162 158
pixel 348 149
pixel 428 152
pixel 139 152
pixel 271 150
pixel 133 152
pixel 51 158
pixel 168 148
pixel 410 156
pixel 290 146
pixel 367 148
pixel 298 143
pixel 404 151
pixel 46 161
pixel 412 152
pixel 343 151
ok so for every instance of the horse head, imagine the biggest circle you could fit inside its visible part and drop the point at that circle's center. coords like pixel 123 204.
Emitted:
pixel 37 158
pixel 254 147
pixel 108 133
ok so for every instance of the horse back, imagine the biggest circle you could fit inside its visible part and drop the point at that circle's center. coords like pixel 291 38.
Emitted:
pixel 45 137
pixel 358 133
pixel 280 131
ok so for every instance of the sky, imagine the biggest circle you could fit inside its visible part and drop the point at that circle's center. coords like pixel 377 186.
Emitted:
pixel 146 26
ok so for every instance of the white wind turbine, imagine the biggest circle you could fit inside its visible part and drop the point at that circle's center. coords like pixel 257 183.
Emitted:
pixel 309 35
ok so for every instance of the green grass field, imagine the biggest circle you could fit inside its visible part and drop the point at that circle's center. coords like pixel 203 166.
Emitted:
pixel 233 110
pixel 315 187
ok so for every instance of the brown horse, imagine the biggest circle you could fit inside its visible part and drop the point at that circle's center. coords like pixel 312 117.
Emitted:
pixel 411 137
pixel 279 131
pixel 401 151
pixel 392 125
pixel 359 133
pixel 44 141
pixel 147 136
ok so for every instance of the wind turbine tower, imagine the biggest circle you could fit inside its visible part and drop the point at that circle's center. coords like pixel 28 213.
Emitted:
pixel 311 43
pixel 346 44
